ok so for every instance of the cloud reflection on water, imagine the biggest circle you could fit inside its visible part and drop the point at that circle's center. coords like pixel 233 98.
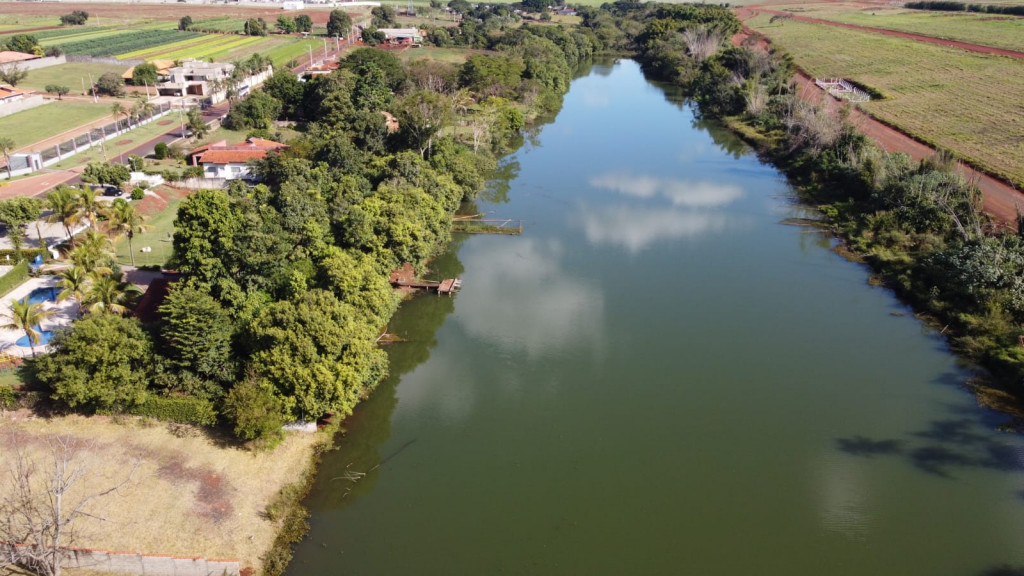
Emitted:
pixel 695 210
pixel 523 301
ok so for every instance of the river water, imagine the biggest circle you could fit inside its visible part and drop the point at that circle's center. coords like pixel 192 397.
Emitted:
pixel 661 377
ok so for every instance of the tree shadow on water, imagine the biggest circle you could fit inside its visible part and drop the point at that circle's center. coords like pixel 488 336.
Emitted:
pixel 866 447
pixel 1004 570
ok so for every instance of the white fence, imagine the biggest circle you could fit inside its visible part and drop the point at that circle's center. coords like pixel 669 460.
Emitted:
pixel 843 90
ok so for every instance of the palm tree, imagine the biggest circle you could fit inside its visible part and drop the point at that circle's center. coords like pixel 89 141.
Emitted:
pixel 89 205
pixel 93 251
pixel 118 110
pixel 27 316
pixel 6 147
pixel 126 221
pixel 64 207
pixel 73 283
pixel 106 294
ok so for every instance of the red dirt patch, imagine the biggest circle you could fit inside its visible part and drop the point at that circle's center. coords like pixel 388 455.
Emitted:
pixel 165 122
pixel 212 497
pixel 150 205
pixel 123 142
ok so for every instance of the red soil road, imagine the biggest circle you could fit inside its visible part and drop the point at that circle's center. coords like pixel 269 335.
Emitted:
pixel 999 199
pixel 918 37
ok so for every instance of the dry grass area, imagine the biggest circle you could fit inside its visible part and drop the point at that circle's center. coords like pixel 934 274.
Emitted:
pixel 964 101
pixel 191 495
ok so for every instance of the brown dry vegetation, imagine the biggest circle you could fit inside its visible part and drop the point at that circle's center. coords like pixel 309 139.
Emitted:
pixel 193 494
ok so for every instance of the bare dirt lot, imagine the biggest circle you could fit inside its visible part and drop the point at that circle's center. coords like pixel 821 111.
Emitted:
pixel 192 494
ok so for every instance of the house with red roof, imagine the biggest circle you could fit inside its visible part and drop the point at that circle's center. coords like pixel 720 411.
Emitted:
pixel 10 94
pixel 11 57
pixel 219 160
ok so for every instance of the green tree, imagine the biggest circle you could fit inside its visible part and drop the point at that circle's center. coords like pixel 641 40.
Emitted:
pixel 12 74
pixel 144 74
pixel 303 23
pixel 255 27
pixel 6 147
pixel 101 364
pixel 110 84
pixel 26 316
pixel 106 173
pixel 204 236
pixel 76 18
pixel 259 111
pixel 125 220
pixel 15 213
pixel 197 333
pixel 460 6
pixel 73 283
pixel 371 91
pixel 185 23
pixel 286 88
pixel 93 253
pixel 383 16
pixel 255 411
pixel 119 111
pixel 339 24
pixel 57 89
pixel 284 24
pixel 492 75
pixel 108 295
pixel 421 114
pixel 24 43
pixel 196 125
pixel 63 205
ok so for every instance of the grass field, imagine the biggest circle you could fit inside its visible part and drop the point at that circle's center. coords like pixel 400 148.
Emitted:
pixel 117 148
pixel 49 120
pixel 74 75
pixel 192 492
pixel 452 55
pixel 964 101
pixel 156 237
pixel 984 29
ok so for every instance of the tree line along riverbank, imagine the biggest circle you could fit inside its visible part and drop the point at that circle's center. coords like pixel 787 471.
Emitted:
pixel 919 225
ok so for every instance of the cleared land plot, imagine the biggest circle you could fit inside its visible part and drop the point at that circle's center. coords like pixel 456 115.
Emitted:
pixel 74 75
pixel 451 55
pixel 49 120
pixel 984 29
pixel 295 49
pixel 964 101
pixel 191 495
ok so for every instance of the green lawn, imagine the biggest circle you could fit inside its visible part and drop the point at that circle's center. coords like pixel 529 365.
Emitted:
pixel 49 120
pixel 157 238
pixel 116 149
pixel 451 55
pixel 964 101
pixel 74 75
pixel 984 29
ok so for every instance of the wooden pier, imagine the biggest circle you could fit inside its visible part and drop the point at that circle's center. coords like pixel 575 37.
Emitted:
pixel 476 225
pixel 405 277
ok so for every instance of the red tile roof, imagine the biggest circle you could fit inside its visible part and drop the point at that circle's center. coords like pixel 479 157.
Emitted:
pixel 7 56
pixel 251 149
pixel 9 91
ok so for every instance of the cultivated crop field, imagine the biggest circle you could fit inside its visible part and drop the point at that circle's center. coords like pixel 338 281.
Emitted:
pixel 111 44
pixel 968 102
pixel 984 29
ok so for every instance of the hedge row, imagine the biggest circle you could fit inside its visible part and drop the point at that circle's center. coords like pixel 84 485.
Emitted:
pixel 180 410
pixel 949 6
pixel 14 278
pixel 8 398
pixel 26 253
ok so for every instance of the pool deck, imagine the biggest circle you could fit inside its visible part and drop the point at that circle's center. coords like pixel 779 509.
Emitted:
pixel 65 312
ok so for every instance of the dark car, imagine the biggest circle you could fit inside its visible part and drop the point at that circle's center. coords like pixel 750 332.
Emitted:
pixel 109 190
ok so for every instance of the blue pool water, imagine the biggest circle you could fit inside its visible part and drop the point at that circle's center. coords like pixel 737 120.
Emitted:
pixel 43 294
pixel 44 338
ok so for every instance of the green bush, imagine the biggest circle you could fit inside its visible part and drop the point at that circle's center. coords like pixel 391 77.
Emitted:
pixel 181 410
pixel 138 193
pixel 160 151
pixel 172 175
pixel 14 278
pixel 192 172
pixel 8 398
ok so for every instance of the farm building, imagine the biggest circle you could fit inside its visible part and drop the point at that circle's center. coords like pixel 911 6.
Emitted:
pixel 10 57
pixel 402 35
pixel 10 95
pixel 230 162
pixel 293 5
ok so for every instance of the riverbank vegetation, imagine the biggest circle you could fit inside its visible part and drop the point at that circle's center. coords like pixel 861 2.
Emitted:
pixel 919 225
pixel 283 287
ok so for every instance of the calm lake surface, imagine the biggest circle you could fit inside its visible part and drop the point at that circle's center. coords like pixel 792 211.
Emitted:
pixel 659 377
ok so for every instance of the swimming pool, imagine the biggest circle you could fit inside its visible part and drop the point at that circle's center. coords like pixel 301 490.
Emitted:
pixel 44 338
pixel 43 294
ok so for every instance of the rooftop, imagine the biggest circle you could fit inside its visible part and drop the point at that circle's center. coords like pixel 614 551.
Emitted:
pixel 7 56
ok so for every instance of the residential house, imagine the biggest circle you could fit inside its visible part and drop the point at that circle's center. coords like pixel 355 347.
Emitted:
pixel 195 78
pixel 11 57
pixel 163 70
pixel 10 94
pixel 219 160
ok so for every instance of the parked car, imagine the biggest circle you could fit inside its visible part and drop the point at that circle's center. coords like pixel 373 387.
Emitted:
pixel 108 190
